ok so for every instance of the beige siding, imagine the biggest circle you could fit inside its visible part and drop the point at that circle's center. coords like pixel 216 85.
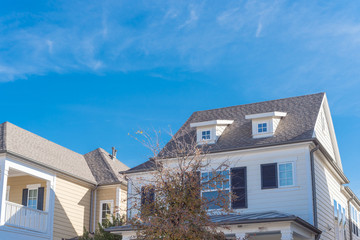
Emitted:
pixel 17 184
pixel 328 188
pixel 72 208
pixel 109 193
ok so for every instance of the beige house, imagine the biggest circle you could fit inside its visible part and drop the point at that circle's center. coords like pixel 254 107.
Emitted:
pixel 50 192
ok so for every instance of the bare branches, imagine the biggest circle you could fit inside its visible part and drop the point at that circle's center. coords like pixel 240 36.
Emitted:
pixel 171 202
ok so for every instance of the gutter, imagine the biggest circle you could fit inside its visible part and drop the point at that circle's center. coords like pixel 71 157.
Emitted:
pixel 313 184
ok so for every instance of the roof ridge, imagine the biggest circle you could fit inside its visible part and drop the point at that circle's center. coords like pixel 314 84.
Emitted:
pixel 261 102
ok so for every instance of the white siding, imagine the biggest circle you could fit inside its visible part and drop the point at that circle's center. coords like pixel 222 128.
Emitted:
pixel 322 132
pixel 328 188
pixel 294 200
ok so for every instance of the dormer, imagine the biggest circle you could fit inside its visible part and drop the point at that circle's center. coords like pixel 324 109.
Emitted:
pixel 208 132
pixel 265 124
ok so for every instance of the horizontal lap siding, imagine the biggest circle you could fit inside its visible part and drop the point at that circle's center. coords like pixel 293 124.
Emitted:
pixel 327 189
pixel 293 200
pixel 109 193
pixel 72 208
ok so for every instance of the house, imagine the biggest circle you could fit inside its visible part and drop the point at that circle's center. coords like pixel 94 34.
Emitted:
pixel 286 151
pixel 50 192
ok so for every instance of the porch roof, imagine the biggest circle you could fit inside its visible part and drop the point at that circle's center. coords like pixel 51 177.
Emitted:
pixel 248 218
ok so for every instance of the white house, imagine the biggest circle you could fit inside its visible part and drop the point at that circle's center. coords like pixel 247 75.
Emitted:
pixel 285 153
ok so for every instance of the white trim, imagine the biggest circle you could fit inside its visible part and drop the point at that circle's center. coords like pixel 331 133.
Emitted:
pixel 100 208
pixel 33 186
pixel 213 122
pixel 118 199
pixel 266 115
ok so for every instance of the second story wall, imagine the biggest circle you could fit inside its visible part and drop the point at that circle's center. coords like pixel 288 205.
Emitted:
pixel 295 199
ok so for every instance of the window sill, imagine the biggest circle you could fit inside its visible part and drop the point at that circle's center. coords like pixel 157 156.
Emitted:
pixel 285 188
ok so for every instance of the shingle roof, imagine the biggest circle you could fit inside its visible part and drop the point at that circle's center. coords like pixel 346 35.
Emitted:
pixel 297 126
pixel 245 218
pixel 93 167
pixel 104 169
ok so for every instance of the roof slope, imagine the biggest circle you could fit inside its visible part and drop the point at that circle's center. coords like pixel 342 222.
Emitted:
pixel 104 169
pixel 297 126
pixel 20 141
pixel 96 166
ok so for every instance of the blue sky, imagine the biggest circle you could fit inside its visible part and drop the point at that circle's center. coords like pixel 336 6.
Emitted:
pixel 86 73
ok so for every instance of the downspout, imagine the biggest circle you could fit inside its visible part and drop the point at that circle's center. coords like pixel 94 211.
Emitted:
pixel 350 220
pixel 313 184
pixel 93 213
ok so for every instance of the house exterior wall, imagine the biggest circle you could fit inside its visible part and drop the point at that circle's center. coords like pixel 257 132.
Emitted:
pixel 72 208
pixel 17 184
pixel 295 200
pixel 115 193
pixel 328 188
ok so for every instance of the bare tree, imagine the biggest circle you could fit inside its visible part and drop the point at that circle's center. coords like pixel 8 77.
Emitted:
pixel 168 204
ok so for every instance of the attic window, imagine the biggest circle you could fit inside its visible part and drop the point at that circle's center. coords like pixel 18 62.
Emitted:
pixel 262 127
pixel 205 135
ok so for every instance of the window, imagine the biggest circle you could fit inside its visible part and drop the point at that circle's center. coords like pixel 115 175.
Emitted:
pixel 269 176
pixel 106 210
pixel 286 174
pixel 336 214
pixel 262 127
pixel 238 188
pixel 354 218
pixel 205 135
pixel 32 198
pixel 215 188
pixel 147 200
pixel 275 175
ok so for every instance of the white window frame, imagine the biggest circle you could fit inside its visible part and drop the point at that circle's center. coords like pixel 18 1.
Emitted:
pixel 215 190
pixel 293 174
pixel 33 187
pixel 111 202
pixel 268 125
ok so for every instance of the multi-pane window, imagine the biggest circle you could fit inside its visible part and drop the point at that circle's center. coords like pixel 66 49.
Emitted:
pixel 286 177
pixel 32 199
pixel 105 211
pixel 275 175
pixel 205 135
pixel 262 127
pixel 354 218
pixel 215 188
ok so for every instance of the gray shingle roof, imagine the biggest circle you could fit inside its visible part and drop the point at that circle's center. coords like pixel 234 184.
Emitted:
pixel 297 126
pixel 105 169
pixel 16 140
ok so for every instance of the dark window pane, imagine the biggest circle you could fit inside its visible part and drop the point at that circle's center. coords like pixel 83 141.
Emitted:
pixel 238 188
pixel 269 176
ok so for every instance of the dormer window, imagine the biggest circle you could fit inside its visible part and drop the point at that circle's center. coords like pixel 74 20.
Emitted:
pixel 206 135
pixel 265 124
pixel 208 132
